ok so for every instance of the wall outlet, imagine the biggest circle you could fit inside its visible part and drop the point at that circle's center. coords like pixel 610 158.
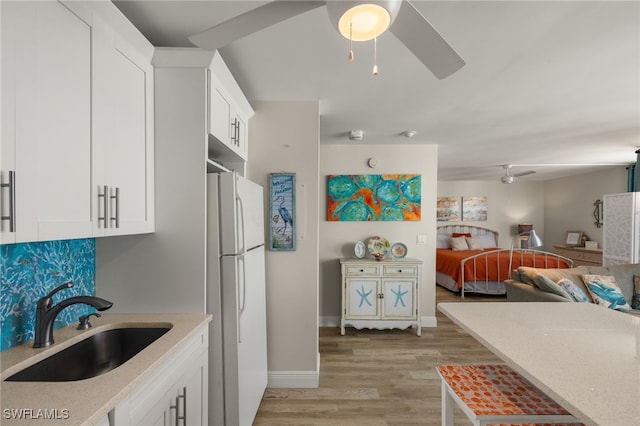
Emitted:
pixel 421 239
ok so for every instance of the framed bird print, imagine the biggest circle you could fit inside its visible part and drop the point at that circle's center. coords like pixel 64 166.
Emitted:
pixel 282 211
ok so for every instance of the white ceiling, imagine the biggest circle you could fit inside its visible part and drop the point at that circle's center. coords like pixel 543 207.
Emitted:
pixel 546 82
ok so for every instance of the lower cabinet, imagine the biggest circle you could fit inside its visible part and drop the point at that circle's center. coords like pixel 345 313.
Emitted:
pixel 380 295
pixel 176 394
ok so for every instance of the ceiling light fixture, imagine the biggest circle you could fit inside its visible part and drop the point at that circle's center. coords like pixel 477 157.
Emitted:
pixel 409 133
pixel 362 20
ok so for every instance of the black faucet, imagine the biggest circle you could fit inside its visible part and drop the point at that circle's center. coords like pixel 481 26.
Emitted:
pixel 46 314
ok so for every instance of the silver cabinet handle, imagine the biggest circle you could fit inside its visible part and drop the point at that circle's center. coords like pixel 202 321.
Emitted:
pixel 116 217
pixel 12 201
pixel 184 407
pixel 105 206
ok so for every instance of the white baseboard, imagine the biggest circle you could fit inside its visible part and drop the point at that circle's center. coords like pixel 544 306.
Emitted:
pixel 295 379
pixel 335 321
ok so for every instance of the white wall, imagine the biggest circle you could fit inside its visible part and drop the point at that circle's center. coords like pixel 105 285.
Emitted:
pixel 337 238
pixel 507 205
pixel 284 137
pixel 569 202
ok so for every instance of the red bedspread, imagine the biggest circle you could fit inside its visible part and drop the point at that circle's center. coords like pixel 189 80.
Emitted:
pixel 492 267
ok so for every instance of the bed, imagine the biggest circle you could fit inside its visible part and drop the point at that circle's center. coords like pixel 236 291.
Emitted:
pixel 484 268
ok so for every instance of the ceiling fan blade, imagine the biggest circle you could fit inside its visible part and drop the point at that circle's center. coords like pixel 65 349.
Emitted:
pixel 530 172
pixel 250 22
pixel 425 42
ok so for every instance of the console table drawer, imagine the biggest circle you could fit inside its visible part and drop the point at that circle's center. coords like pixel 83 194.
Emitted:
pixel 362 270
pixel 396 270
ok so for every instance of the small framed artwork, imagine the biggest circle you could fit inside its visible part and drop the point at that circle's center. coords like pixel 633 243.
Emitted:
pixel 474 209
pixel 448 209
pixel 282 211
pixel 573 238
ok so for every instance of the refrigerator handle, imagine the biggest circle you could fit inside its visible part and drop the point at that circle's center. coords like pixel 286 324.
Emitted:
pixel 241 234
pixel 242 295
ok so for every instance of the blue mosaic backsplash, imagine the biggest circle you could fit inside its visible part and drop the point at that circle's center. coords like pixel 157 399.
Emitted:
pixel 32 270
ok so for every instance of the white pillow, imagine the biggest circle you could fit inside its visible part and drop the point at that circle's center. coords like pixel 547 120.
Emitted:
pixel 459 243
pixel 487 241
pixel 474 243
pixel 442 241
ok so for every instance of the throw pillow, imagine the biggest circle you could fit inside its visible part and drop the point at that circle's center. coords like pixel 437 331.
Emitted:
pixel 460 234
pixel 635 303
pixel 605 291
pixel 459 243
pixel 574 291
pixel 545 284
pixel 474 243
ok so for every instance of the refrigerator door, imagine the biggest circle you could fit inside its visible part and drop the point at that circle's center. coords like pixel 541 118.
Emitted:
pixel 241 214
pixel 245 335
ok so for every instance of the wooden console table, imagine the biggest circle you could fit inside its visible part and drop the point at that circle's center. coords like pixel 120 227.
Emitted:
pixel 581 255
pixel 380 294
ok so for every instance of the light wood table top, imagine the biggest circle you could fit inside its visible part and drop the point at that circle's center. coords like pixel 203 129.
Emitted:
pixel 585 357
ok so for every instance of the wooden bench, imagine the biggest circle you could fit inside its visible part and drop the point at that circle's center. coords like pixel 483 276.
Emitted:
pixel 494 394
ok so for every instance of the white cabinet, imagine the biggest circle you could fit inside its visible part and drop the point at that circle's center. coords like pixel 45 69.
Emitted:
pixel 380 295
pixel 76 116
pixel 621 228
pixel 46 121
pixel 122 163
pixel 176 393
pixel 229 113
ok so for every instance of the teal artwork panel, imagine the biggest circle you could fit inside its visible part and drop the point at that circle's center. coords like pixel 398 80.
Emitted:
pixel 30 271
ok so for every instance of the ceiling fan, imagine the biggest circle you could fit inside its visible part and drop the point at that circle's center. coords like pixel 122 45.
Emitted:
pixel 510 178
pixel 401 18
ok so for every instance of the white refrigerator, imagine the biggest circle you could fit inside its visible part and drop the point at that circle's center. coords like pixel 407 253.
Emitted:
pixel 236 298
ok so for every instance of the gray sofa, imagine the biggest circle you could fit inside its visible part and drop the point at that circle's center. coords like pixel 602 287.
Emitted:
pixel 539 285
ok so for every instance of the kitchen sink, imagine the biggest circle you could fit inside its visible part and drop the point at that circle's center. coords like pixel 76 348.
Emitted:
pixel 91 357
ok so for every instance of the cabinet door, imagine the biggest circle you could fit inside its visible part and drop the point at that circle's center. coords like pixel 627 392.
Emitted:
pixel 398 300
pixel 194 391
pixel 241 136
pixel 49 53
pixel 123 136
pixel 219 112
pixel 362 298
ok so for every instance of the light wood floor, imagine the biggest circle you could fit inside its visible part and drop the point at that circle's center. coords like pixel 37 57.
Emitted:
pixel 373 377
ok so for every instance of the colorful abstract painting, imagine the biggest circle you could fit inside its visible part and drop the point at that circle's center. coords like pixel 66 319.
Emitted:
pixel 282 204
pixel 30 271
pixel 389 197
pixel 448 209
pixel 474 209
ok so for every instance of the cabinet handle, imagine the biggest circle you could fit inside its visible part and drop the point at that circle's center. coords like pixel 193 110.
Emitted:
pixel 105 205
pixel 12 201
pixel 182 397
pixel 116 217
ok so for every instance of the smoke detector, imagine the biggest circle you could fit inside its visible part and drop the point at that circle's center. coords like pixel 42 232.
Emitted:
pixel 356 135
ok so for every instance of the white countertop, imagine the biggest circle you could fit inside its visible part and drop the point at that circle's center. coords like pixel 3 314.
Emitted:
pixel 584 356
pixel 87 401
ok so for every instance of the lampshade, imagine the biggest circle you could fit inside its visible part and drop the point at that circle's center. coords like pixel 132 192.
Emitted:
pixel 534 240
pixel 362 20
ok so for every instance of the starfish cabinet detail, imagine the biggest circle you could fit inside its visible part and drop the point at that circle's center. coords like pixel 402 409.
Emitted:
pixel 380 295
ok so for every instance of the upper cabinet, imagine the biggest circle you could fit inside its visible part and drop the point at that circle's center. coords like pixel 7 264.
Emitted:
pixel 46 121
pixel 229 113
pixel 122 135
pixel 76 117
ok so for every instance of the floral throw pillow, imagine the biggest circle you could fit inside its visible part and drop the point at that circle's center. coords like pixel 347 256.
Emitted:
pixel 576 293
pixel 605 292
pixel 635 303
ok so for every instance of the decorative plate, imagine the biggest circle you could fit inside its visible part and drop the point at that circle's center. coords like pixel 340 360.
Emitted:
pixel 378 246
pixel 359 249
pixel 398 250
